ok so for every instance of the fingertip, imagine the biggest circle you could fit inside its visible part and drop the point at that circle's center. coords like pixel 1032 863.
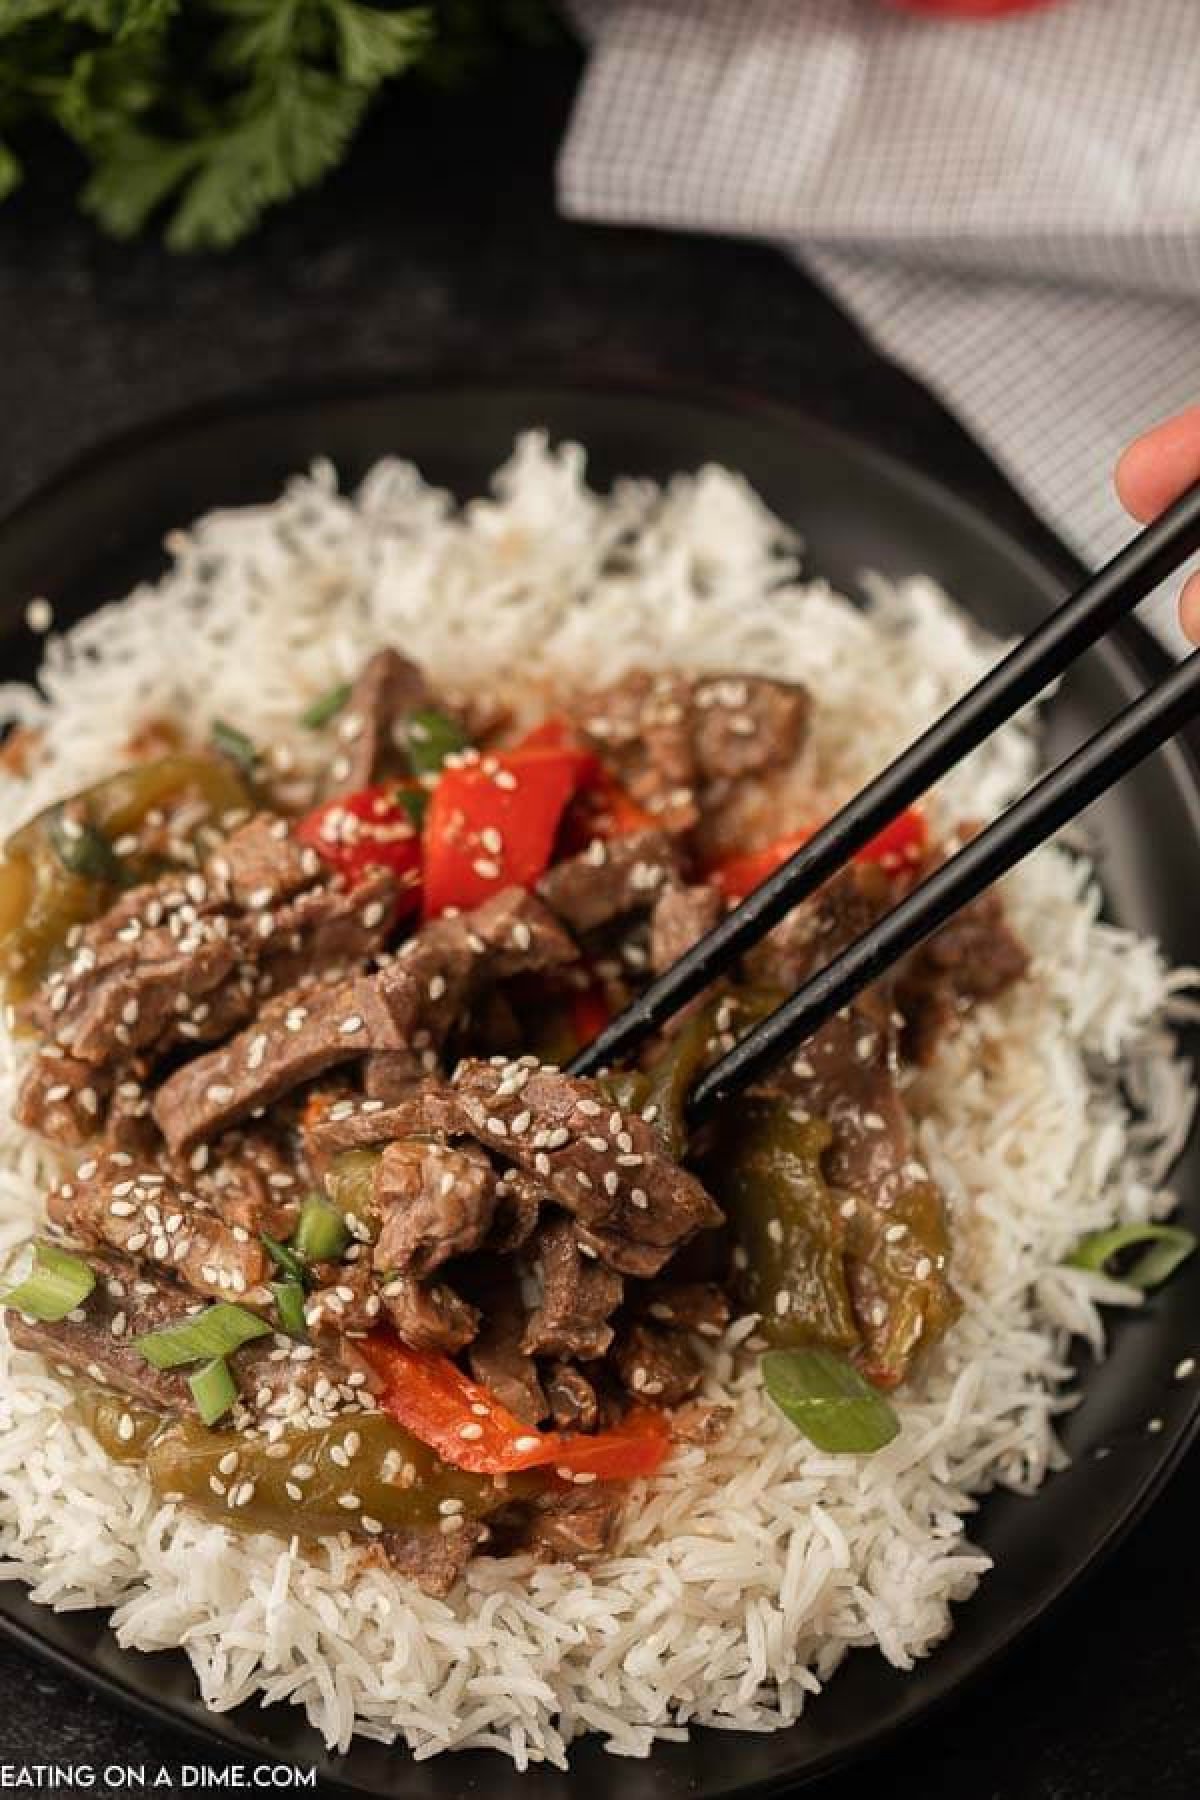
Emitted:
pixel 1189 608
pixel 1157 467
pixel 1133 479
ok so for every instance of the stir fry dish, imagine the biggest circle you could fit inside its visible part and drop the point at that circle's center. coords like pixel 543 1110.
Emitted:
pixel 337 1246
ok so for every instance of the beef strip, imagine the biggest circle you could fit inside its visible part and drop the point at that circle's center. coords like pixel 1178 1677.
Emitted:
pixel 432 1558
pixel 681 917
pixel 327 931
pixel 574 1405
pixel 699 1306
pixel 655 1362
pixel 111 1200
pixel 261 864
pixel 699 1422
pixel 252 1179
pixel 497 1357
pixel 632 1204
pixel 610 879
pixel 371 726
pixel 679 743
pixel 429 1315
pixel 345 1300
pixel 572 1527
pixel 123 1305
pixel 519 1200
pixel 410 1004
pixel 578 1297
pixel 61 1096
pixel 435 1201
pixel 974 957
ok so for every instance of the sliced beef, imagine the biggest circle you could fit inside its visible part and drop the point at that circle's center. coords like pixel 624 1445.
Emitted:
pixel 352 1122
pixel 680 742
pixel 574 1404
pixel 579 1295
pixel 435 1201
pixel 519 1200
pixel 745 724
pixel 62 1097
pixel 326 931
pixel 603 1165
pixel 699 1306
pixel 99 1342
pixel 642 727
pixel 656 1363
pixel 135 1209
pixel 391 1075
pixel 611 878
pixel 410 1004
pixel 498 1358
pixel 261 864
pixel 681 917
pixel 699 1422
pixel 346 1299
pixel 434 1559
pixel 974 957
pixel 372 726
pixel 252 1180
pixel 429 1315
pixel 573 1527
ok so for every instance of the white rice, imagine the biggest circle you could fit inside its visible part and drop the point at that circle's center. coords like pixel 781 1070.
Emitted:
pixel 745 1573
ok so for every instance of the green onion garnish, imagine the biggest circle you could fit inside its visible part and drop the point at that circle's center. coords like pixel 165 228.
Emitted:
pixel 49 1283
pixel 214 1332
pixel 321 1233
pixel 284 1258
pixel 213 1389
pixel 1168 1246
pixel 327 707
pixel 289 1300
pixel 830 1402
pixel 415 802
pixel 82 849
pixel 235 745
pixel 431 738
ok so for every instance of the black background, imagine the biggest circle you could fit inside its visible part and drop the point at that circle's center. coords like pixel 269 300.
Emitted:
pixel 438 248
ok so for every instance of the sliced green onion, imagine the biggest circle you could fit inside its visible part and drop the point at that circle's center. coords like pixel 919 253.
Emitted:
pixel 214 1332
pixel 235 745
pixel 49 1283
pixel 289 1300
pixel 829 1401
pixel 1168 1246
pixel 82 849
pixel 284 1258
pixel 431 738
pixel 415 802
pixel 213 1389
pixel 321 1233
pixel 326 707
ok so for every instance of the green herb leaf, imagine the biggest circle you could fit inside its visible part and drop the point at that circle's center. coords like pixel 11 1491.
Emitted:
pixel 431 738
pixel 829 1401
pixel 234 744
pixel 327 707
pixel 284 1258
pixel 82 849
pixel 215 1332
pixel 1167 1247
pixel 47 1283
pixel 415 802
pixel 321 1233
pixel 289 1301
pixel 213 1389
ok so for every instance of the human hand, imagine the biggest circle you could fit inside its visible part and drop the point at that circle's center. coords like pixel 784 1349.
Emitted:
pixel 1155 470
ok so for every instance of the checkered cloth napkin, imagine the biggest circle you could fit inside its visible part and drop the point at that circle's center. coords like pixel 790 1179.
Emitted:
pixel 1010 208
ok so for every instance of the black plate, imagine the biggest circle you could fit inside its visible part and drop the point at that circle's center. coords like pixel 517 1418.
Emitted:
pixel 100 528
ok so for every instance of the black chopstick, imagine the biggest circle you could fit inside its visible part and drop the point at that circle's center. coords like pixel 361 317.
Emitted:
pixel 1141 728
pixel 1016 680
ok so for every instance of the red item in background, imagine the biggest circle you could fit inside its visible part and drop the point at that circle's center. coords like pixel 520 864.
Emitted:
pixel 967 9
pixel 900 845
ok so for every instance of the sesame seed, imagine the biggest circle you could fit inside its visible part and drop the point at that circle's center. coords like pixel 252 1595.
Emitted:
pixel 526 1443
pixel 371 1525
pixel 1185 1368
pixel 292 1491
pixel 125 1428
pixel 471 1431
pixel 640 1198
pixel 351 1502
pixel 349 1025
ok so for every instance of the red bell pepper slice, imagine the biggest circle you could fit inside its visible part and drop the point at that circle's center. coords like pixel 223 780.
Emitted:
pixel 369 829
pixel 900 845
pixel 492 823
pixel 469 1428
pixel 588 1011
pixel 602 808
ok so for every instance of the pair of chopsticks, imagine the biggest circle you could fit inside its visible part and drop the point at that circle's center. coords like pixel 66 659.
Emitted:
pixel 1036 661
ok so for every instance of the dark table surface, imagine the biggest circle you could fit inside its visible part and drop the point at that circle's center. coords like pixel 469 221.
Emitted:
pixel 438 248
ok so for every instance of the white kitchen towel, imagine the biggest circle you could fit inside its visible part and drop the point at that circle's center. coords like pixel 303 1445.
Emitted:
pixel 1010 208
